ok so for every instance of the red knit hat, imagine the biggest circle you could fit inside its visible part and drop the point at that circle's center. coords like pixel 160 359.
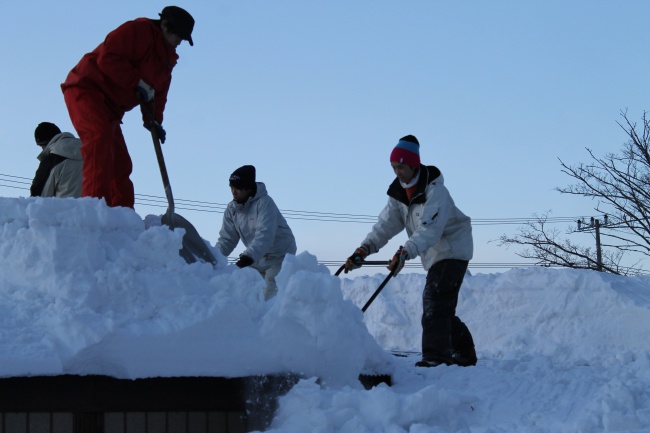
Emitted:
pixel 407 151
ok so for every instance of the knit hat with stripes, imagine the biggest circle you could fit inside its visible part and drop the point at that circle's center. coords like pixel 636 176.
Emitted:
pixel 407 151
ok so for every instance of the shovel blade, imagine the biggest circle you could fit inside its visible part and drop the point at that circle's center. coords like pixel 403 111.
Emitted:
pixel 194 247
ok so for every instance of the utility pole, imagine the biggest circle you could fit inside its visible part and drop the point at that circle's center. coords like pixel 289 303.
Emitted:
pixel 595 225
pixel 599 255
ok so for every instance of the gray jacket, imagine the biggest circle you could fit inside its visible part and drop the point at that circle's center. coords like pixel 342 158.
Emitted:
pixel 260 226
pixel 436 228
pixel 65 177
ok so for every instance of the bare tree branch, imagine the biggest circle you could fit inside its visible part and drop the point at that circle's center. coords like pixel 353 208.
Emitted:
pixel 620 186
pixel 545 247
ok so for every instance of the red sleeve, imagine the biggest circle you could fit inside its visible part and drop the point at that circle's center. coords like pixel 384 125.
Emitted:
pixel 161 100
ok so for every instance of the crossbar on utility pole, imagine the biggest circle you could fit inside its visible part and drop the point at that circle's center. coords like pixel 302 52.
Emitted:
pixel 594 224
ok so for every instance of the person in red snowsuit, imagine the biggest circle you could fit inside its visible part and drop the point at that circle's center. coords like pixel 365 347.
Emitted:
pixel 134 64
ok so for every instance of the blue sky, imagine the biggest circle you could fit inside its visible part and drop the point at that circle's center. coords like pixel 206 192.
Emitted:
pixel 316 94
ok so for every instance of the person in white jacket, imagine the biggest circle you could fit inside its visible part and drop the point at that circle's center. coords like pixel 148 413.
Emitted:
pixel 441 235
pixel 253 218
pixel 59 170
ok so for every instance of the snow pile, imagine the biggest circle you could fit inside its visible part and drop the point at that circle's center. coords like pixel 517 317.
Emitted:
pixel 85 289
pixel 572 316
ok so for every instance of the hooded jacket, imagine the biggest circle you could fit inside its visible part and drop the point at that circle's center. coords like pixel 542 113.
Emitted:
pixel 135 50
pixel 59 171
pixel 436 228
pixel 261 227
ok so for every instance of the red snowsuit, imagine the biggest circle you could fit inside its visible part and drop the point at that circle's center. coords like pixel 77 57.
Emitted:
pixel 101 88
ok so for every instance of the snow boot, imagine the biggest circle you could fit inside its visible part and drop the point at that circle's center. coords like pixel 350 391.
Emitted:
pixel 434 361
pixel 464 351
pixel 466 359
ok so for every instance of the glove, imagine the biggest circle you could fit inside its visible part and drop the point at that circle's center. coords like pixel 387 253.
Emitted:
pixel 398 261
pixel 244 261
pixel 144 91
pixel 160 132
pixel 355 260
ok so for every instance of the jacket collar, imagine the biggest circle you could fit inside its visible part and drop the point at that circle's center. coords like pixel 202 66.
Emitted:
pixel 428 174
pixel 260 191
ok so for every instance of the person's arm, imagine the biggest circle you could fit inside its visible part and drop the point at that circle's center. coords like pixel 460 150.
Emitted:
pixel 52 184
pixel 435 214
pixel 228 235
pixel 389 224
pixel 161 101
pixel 265 229
pixel 43 173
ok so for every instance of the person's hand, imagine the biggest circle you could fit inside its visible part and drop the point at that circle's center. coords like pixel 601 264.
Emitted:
pixel 355 260
pixel 144 91
pixel 244 261
pixel 160 132
pixel 398 261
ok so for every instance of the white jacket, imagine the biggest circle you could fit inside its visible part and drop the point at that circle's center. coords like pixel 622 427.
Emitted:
pixel 260 226
pixel 65 177
pixel 436 228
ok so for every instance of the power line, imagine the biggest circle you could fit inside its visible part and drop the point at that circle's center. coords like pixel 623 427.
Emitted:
pixel 27 179
pixel 18 182
pixel 417 264
pixel 474 265
pixel 15 182
pixel 10 181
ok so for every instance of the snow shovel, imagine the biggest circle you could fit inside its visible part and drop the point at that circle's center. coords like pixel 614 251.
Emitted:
pixel 381 286
pixel 194 247
pixel 379 289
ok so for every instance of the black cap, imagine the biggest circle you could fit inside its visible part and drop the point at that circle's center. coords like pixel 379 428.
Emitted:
pixel 44 132
pixel 181 22
pixel 243 177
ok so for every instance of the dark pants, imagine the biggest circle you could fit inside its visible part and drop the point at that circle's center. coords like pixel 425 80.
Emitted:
pixel 439 321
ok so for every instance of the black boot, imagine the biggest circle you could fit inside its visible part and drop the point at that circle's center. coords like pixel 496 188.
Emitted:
pixel 466 359
pixel 464 351
pixel 434 361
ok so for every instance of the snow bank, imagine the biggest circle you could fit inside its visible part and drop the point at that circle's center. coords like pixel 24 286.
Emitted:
pixel 88 289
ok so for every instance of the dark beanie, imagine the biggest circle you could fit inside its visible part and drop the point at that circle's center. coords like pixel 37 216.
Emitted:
pixel 243 178
pixel 407 151
pixel 44 132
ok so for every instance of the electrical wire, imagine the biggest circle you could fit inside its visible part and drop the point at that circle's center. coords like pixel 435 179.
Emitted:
pixel 18 182
pixel 10 181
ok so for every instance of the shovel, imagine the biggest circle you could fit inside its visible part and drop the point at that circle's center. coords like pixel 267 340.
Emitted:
pixel 381 286
pixel 194 247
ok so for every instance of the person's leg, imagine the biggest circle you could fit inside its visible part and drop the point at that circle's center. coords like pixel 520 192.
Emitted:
pixel 463 343
pixel 269 277
pixel 122 187
pixel 92 120
pixel 269 269
pixel 271 288
pixel 439 300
